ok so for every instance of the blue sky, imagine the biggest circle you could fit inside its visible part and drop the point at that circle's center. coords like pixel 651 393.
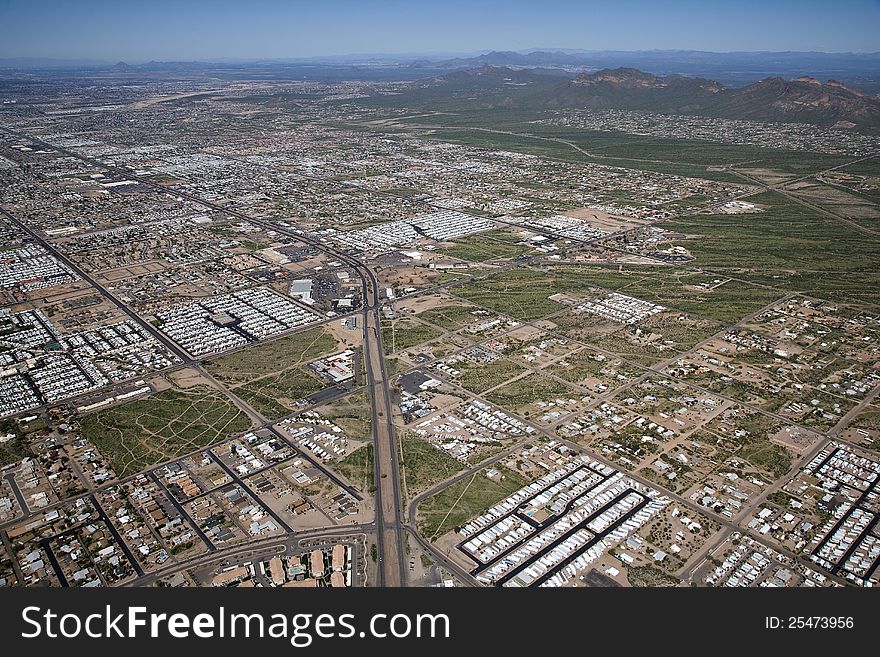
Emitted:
pixel 192 30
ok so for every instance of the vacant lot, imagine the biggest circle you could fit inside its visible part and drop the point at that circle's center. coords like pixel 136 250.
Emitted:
pixel 494 245
pixel 455 505
pixel 423 465
pixel 161 427
pixel 270 376
pixel 479 378
pixel 649 576
pixel 271 357
pixel 702 295
pixel 359 468
pixel 790 246
pixel 15 448
pixel 401 334
pixel 530 389
pixel 521 293
pixel 451 316
pixel 353 414
pixel 582 367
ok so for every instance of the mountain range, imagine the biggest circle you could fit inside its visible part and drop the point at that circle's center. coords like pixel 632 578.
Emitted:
pixel 857 70
pixel 802 99
pixel 730 68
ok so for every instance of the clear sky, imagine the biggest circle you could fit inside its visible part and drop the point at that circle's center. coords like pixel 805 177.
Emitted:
pixel 203 30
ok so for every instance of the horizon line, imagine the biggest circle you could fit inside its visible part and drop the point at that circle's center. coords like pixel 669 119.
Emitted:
pixel 111 61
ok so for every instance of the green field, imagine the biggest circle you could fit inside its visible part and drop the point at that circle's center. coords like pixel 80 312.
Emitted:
pixel 353 414
pixel 581 365
pixel 494 245
pixel 755 446
pixel 479 378
pixel 674 289
pixel 401 334
pixel 161 427
pixel 686 157
pixel 643 576
pixel 542 142
pixel 359 468
pixel 15 448
pixel 530 389
pixel 271 357
pixel 869 167
pixel 523 293
pixel 789 246
pixel 450 316
pixel 270 376
pixel 520 293
pixel 767 456
pixel 423 465
pixel 277 395
pixel 868 419
pixel 455 505
pixel 606 146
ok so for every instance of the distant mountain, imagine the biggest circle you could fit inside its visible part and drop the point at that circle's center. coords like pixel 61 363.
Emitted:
pixel 507 59
pixel 485 87
pixel 629 88
pixel 492 76
pixel 803 99
pixel 729 68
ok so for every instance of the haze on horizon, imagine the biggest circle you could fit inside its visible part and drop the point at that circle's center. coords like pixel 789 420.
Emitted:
pixel 189 30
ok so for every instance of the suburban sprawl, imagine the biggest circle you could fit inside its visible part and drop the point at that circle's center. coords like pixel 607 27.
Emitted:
pixel 279 332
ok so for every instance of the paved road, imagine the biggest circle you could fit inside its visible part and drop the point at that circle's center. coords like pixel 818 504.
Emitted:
pixel 183 514
pixel 51 248
pixel 25 509
pixel 244 486
pixel 388 503
pixel 116 536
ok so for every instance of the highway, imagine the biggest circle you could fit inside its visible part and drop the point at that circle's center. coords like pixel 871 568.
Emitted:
pixel 388 503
